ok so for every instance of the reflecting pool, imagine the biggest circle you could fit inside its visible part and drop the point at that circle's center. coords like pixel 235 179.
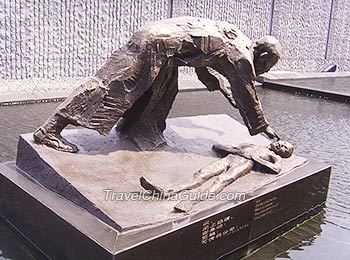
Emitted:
pixel 319 129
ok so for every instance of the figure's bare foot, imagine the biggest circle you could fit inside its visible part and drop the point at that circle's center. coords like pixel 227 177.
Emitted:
pixel 156 189
pixel 147 141
pixel 148 185
pixel 54 140
pixel 184 206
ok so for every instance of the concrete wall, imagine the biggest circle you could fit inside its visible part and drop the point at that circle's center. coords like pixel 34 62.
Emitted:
pixel 50 38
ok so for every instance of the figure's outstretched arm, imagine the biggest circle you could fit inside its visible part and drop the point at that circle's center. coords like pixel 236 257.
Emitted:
pixel 241 77
pixel 243 89
pixel 213 81
pixel 225 150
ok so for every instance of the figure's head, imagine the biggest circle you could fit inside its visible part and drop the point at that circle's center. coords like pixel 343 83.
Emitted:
pixel 267 52
pixel 282 148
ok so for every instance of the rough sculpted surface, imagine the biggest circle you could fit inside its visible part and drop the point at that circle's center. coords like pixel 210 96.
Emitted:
pixel 137 85
pixel 236 162
pixel 113 163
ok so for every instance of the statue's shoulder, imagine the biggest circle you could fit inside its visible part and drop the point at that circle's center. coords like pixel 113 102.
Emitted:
pixel 167 28
pixel 187 25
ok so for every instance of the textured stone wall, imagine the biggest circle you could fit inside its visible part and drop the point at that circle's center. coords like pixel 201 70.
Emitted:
pixel 339 40
pixel 50 38
pixel 301 26
pixel 252 17
pixel 47 38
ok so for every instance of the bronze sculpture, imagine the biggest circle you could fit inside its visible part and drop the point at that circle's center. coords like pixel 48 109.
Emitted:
pixel 236 162
pixel 138 83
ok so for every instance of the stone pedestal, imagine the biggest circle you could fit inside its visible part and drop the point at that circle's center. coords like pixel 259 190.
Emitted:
pixel 58 200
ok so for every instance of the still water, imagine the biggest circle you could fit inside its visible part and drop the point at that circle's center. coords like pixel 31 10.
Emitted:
pixel 319 129
pixel 327 84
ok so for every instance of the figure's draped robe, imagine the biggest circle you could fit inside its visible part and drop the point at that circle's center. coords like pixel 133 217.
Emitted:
pixel 139 82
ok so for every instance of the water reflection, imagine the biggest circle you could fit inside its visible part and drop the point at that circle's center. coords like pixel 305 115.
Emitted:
pixel 318 128
pixel 302 235
pixel 13 247
pixel 336 84
pixel 16 120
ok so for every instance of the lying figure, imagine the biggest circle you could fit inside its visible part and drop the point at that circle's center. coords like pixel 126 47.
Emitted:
pixel 237 161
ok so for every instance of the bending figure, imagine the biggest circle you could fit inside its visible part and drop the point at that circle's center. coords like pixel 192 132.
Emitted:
pixel 137 85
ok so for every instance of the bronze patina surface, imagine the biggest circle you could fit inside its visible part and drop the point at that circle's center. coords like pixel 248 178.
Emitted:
pixel 114 163
pixel 137 85
pixel 237 161
pixel 58 200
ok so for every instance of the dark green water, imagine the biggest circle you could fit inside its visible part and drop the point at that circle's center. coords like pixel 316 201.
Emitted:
pixel 339 85
pixel 319 129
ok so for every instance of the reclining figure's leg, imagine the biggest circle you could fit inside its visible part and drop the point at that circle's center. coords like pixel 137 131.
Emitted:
pixel 238 168
pixel 198 178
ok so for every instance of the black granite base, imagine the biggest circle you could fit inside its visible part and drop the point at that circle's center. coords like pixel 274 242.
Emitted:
pixel 62 230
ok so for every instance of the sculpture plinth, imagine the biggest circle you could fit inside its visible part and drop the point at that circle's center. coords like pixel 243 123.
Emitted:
pixel 58 200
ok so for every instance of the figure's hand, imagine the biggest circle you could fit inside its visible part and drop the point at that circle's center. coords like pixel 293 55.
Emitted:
pixel 271 133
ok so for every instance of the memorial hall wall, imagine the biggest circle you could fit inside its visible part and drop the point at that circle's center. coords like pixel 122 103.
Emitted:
pixel 72 38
